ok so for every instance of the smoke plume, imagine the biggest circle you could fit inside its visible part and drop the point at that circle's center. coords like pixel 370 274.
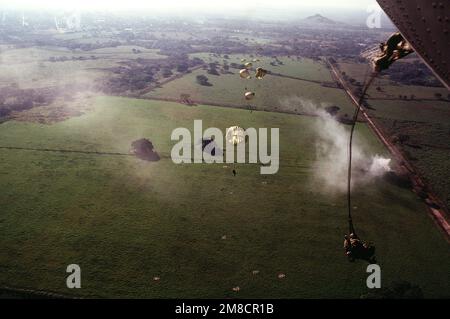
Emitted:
pixel 331 146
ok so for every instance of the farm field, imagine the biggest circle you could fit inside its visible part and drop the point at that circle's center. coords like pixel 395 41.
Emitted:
pixel 431 112
pixel 390 89
pixel 304 68
pixel 31 67
pixel 424 127
pixel 126 221
pixel 48 74
pixel 421 120
pixel 273 93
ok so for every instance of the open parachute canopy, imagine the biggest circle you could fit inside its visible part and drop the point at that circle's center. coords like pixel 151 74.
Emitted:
pixel 249 95
pixel 245 74
pixel 248 65
pixel 235 135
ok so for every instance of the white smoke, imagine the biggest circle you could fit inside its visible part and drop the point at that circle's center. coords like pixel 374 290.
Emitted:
pixel 300 105
pixel 380 166
pixel 332 145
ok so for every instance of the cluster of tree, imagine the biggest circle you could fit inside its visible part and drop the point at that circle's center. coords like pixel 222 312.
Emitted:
pixel 237 66
pixel 203 80
pixel 166 72
pixel 437 95
pixel 406 97
pixel 212 69
pixel 74 58
pixel 73 45
pixel 225 68
pixel 130 78
pixel 183 67
pixel 276 61
pixel 413 73
pixel 12 98
pixel 291 38
pixel 440 96
pixel 141 73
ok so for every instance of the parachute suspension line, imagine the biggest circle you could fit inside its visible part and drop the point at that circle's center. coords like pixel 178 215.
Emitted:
pixel 366 87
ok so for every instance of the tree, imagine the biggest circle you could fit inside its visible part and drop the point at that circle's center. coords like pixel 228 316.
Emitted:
pixel 213 69
pixel 197 61
pixel 213 72
pixel 183 67
pixel 166 72
pixel 185 96
pixel 203 80
pixel 26 104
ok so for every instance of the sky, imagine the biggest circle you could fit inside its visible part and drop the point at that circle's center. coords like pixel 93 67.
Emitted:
pixel 348 11
pixel 212 5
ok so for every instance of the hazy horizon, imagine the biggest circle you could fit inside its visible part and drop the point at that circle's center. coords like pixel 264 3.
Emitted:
pixel 349 11
pixel 210 5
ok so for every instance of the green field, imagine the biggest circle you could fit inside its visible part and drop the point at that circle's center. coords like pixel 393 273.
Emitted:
pixel 43 54
pixel 273 93
pixel 125 221
pixel 31 68
pixel 423 118
pixel 48 74
pixel 389 89
pixel 427 127
pixel 303 68
pixel 435 112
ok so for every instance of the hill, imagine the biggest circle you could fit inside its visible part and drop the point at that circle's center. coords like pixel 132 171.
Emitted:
pixel 319 20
